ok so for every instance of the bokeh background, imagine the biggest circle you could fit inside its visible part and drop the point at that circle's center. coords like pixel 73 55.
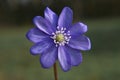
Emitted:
pixel 102 62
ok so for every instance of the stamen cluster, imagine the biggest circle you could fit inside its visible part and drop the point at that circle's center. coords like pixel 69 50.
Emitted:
pixel 61 37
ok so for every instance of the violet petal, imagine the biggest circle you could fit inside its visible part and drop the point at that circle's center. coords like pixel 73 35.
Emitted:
pixel 35 35
pixel 75 55
pixel 49 57
pixel 64 59
pixel 43 24
pixel 40 47
pixel 80 42
pixel 51 17
pixel 66 17
pixel 78 28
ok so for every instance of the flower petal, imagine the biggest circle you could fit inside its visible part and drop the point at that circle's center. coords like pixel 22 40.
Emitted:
pixel 35 35
pixel 51 17
pixel 49 57
pixel 75 56
pixel 66 17
pixel 40 47
pixel 78 29
pixel 64 59
pixel 80 42
pixel 43 24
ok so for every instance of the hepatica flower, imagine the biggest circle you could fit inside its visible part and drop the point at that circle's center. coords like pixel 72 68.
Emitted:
pixel 56 38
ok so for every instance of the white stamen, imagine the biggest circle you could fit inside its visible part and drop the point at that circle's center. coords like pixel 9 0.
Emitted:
pixel 69 37
pixel 68 32
pixel 54 41
pixel 62 31
pixel 67 42
pixel 56 45
pixel 58 27
pixel 66 36
pixel 62 28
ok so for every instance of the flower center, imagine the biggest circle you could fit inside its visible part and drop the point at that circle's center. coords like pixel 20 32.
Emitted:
pixel 61 37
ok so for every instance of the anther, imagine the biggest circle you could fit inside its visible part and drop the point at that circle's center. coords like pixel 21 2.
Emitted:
pixel 61 37
pixel 64 29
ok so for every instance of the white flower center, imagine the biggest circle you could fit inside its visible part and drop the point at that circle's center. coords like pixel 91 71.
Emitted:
pixel 61 37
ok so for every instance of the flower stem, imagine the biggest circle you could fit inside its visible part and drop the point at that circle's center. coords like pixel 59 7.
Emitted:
pixel 55 72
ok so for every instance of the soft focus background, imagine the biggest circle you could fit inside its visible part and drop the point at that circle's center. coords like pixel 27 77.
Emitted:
pixel 102 62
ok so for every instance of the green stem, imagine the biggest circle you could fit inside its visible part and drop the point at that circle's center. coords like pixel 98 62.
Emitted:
pixel 55 72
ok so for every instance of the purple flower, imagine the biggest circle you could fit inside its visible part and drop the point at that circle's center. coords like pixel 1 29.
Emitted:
pixel 56 38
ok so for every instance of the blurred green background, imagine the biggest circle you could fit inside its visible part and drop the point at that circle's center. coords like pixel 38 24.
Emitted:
pixel 102 62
